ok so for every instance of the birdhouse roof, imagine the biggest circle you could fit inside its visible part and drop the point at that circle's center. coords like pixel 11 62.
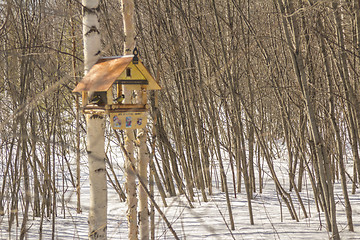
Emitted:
pixel 107 70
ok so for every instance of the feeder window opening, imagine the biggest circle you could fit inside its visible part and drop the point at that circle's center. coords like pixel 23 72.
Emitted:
pixel 128 72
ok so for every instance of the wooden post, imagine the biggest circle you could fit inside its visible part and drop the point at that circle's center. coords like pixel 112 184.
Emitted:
pixel 84 98
pixel 118 90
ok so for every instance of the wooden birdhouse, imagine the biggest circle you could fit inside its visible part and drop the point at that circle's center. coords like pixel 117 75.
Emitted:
pixel 102 90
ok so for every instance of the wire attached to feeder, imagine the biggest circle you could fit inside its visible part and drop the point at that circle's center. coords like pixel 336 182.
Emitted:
pixel 135 58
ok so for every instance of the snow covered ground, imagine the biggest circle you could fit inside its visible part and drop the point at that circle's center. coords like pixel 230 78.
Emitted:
pixel 207 220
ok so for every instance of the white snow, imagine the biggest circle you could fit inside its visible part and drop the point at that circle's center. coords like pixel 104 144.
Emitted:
pixel 207 220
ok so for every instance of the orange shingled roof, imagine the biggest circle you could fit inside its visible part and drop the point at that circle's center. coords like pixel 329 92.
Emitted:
pixel 103 74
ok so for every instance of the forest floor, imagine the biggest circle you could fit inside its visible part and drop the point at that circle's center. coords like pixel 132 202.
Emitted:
pixel 208 220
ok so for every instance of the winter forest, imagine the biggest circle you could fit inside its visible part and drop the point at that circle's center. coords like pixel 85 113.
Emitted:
pixel 254 134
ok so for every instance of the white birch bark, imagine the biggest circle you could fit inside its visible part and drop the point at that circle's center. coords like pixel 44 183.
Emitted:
pixel 91 33
pixel 130 186
pixel 129 30
pixel 129 26
pixel 143 163
pixel 143 198
pixel 95 129
pixel 97 176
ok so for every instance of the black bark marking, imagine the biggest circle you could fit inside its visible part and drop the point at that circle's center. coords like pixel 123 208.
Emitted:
pixel 91 30
pixel 99 170
pixel 87 10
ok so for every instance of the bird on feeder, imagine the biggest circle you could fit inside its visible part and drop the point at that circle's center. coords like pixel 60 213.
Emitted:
pixel 120 99
pixel 96 99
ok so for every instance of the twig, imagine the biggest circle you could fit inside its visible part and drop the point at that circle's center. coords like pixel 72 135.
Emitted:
pixel 148 193
pixel 227 225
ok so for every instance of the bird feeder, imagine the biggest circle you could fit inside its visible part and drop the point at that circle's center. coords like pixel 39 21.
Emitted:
pixel 102 90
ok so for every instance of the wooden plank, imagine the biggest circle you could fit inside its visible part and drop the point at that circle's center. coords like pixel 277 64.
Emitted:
pixel 129 110
pixel 132 82
pixel 115 108
pixel 134 73
pixel 93 111
pixel 84 96
pixel 103 74
pixel 153 85
pixel 128 106
pixel 128 120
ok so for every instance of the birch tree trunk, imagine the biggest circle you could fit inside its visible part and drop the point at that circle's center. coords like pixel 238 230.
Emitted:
pixel 143 162
pixel 95 128
pixel 143 198
pixel 129 26
pixel 129 30
pixel 97 176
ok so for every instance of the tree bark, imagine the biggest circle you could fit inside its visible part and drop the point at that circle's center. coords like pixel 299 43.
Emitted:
pixel 95 129
pixel 97 176
pixel 130 186
pixel 299 69
pixel 143 173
